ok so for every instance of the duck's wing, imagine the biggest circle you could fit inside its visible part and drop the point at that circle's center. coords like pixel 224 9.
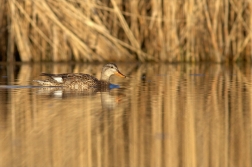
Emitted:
pixel 56 77
pixel 60 78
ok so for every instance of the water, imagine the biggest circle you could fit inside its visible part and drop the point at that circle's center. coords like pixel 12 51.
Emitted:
pixel 164 115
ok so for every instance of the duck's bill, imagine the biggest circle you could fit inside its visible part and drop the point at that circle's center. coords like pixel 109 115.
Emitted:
pixel 118 73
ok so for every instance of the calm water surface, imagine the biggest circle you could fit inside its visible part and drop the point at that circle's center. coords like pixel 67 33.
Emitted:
pixel 164 115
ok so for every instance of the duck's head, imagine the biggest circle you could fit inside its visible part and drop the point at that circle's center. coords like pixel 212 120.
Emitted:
pixel 110 69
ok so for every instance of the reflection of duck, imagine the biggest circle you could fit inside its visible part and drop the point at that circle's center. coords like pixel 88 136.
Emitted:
pixel 81 81
pixel 112 98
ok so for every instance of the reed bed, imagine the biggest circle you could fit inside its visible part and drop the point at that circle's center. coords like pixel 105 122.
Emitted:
pixel 172 31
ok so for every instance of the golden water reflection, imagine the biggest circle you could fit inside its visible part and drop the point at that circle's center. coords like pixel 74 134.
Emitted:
pixel 164 115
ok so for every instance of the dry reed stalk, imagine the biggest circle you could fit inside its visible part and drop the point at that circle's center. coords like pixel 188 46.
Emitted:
pixel 3 31
pixel 55 44
pixel 51 15
pixel 94 26
pixel 21 40
pixel 37 39
pixel 171 43
pixel 11 42
pixel 212 30
pixel 126 28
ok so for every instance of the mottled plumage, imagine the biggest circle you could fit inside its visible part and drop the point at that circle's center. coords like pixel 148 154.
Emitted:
pixel 81 81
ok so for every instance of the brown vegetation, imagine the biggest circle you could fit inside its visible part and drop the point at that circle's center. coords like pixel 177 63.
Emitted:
pixel 154 30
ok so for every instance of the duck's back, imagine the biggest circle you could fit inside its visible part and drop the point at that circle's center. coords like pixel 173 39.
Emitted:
pixel 73 81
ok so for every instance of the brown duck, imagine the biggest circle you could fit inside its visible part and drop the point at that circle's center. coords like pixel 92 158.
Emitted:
pixel 81 81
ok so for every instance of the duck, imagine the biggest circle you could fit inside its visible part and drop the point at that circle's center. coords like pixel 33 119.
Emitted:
pixel 80 80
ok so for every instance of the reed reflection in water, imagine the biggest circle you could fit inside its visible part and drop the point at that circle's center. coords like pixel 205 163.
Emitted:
pixel 164 115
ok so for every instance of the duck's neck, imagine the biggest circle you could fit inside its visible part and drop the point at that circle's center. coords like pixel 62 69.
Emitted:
pixel 105 78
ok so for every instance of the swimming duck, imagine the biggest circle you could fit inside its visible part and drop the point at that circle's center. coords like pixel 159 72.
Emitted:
pixel 80 80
